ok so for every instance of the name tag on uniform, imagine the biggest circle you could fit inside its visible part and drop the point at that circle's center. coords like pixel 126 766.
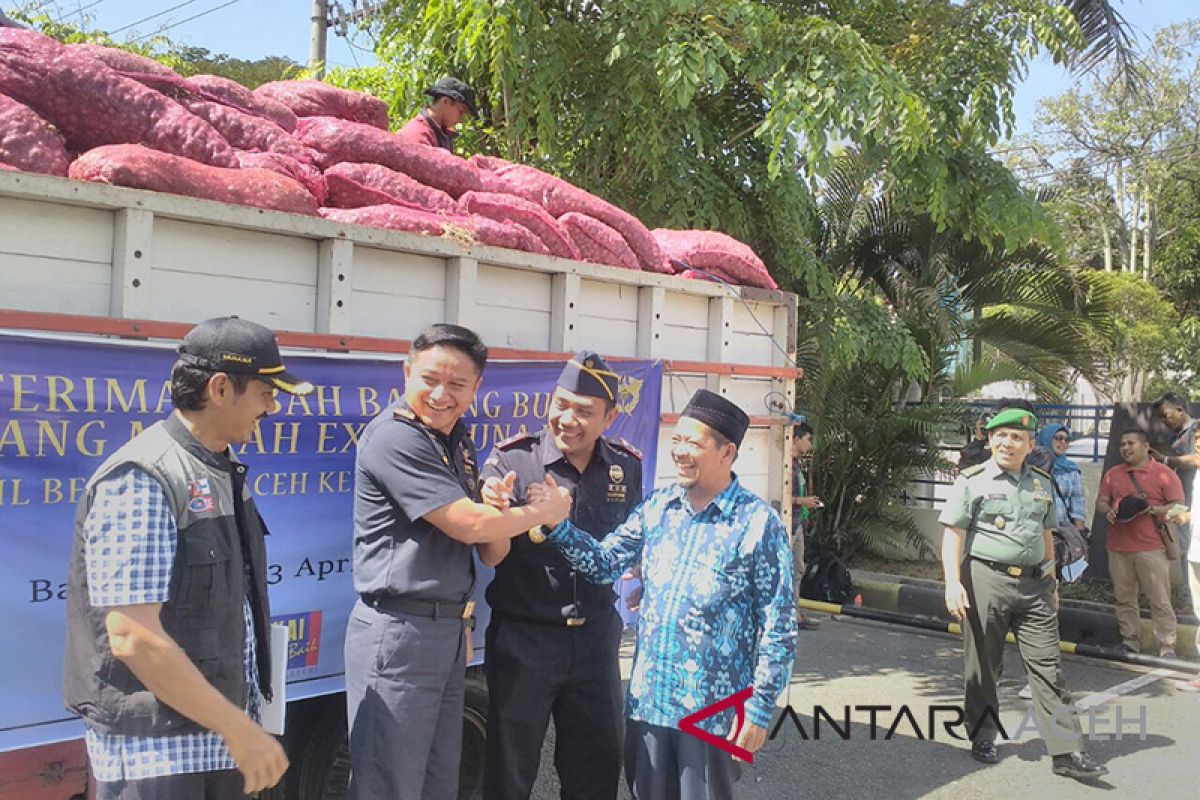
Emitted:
pixel 617 491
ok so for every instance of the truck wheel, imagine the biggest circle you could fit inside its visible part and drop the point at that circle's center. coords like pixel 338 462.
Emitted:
pixel 322 763
pixel 474 745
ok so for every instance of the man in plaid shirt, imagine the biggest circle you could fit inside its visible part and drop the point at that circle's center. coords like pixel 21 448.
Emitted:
pixel 167 602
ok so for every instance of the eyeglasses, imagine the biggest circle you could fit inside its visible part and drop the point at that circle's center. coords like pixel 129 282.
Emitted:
pixel 1062 438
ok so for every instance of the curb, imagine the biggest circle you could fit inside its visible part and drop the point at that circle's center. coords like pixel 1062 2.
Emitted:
pixel 1088 624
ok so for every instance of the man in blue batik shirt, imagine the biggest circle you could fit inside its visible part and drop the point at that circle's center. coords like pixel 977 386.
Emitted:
pixel 717 615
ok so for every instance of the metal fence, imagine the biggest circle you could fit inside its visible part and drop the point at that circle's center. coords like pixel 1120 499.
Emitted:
pixel 1090 427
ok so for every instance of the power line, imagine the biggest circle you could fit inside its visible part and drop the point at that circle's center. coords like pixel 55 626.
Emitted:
pixel 183 21
pixel 152 16
pixel 75 11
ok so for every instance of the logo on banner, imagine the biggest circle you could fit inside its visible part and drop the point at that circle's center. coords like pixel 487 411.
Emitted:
pixel 629 393
pixel 304 641
pixel 202 499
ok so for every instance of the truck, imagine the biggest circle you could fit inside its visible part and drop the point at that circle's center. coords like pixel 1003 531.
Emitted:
pixel 98 284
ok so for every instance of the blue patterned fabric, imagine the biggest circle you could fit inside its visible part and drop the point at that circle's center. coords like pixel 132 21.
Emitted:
pixel 718 613
pixel 130 546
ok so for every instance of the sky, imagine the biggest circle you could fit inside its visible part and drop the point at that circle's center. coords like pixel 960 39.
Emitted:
pixel 253 29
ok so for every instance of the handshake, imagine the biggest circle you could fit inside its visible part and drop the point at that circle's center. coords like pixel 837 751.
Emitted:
pixel 549 501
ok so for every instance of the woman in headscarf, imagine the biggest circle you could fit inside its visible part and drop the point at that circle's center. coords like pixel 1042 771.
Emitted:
pixel 1068 481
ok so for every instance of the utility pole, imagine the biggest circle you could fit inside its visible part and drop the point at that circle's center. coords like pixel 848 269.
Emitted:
pixel 320 33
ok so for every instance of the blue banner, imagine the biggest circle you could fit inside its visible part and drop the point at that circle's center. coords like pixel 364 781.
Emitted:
pixel 66 404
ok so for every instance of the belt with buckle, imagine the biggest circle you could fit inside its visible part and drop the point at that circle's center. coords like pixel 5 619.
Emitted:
pixel 1012 570
pixel 433 609
pixel 570 622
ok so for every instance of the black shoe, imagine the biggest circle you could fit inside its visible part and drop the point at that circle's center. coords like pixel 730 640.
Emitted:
pixel 806 624
pixel 984 752
pixel 1078 766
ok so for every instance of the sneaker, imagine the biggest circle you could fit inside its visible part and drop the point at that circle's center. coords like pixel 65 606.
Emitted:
pixel 1026 692
pixel 1168 654
pixel 1079 766
pixel 984 752
pixel 806 624
pixel 1190 687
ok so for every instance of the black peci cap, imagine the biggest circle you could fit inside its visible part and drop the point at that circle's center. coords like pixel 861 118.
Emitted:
pixel 588 374
pixel 719 414
pixel 455 90
pixel 239 347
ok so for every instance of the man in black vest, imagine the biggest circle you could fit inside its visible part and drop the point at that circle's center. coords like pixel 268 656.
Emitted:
pixel 167 655
pixel 553 639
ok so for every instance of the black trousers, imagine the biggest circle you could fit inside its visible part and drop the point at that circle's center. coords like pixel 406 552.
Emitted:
pixel 668 764
pixel 534 671
pixel 225 785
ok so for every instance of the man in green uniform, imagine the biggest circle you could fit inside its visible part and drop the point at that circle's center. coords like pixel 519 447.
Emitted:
pixel 998 560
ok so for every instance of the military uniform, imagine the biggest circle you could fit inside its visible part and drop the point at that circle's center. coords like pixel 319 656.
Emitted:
pixel 553 638
pixel 1005 516
pixel 405 650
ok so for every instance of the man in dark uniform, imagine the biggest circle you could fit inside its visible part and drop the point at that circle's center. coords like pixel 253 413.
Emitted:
pixel 435 124
pixel 1172 409
pixel 415 520
pixel 552 642
pixel 998 560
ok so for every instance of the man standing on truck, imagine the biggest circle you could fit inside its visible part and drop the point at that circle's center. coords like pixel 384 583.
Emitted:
pixel 415 520
pixel 718 614
pixel 167 656
pixel 435 125
pixel 553 639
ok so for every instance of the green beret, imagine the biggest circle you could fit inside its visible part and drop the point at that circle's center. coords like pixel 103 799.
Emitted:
pixel 1013 418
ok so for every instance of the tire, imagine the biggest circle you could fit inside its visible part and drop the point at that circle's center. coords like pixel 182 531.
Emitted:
pixel 321 764
pixel 474 746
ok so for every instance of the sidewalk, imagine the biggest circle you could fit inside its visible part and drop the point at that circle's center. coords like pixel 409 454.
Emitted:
pixel 1078 621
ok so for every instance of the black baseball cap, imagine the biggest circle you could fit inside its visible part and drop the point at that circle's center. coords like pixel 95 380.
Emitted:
pixel 1131 507
pixel 239 347
pixel 455 90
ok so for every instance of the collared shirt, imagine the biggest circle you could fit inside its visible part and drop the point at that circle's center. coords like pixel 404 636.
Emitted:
pixel 402 471
pixel 1184 442
pixel 131 541
pixel 535 580
pixel 1162 488
pixel 799 489
pixel 718 613
pixel 423 129
pixel 1005 514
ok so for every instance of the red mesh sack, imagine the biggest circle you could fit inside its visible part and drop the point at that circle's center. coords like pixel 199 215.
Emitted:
pixel 466 228
pixel 248 132
pixel 354 185
pixel 559 197
pixel 597 242
pixel 316 99
pixel 335 141
pixel 93 105
pixel 142 168
pixel 718 253
pixel 303 173
pixel 28 142
pixel 232 93
pixel 534 218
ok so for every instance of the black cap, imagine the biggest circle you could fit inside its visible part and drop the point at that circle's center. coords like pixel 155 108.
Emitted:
pixel 455 90
pixel 239 347
pixel 719 414
pixel 1131 507
pixel 588 374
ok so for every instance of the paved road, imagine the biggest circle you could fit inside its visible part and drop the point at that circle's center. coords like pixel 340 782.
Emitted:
pixel 856 663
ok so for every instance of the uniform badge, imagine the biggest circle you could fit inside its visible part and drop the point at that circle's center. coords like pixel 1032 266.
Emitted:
pixel 201 497
pixel 1000 522
pixel 1037 484
pixel 616 473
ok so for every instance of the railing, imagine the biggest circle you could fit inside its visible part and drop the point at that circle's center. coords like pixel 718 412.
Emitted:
pixel 1090 426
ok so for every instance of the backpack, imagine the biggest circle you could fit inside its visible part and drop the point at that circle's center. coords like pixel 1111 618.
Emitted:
pixel 827 579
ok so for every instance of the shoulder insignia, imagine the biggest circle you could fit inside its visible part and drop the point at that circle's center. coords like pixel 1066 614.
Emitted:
pixel 512 441
pixel 1039 471
pixel 622 444
pixel 404 414
pixel 971 472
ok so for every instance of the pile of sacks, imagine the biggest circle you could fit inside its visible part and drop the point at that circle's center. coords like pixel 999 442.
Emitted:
pixel 100 114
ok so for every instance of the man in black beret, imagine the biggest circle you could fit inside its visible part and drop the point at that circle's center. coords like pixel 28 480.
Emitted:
pixel 553 639
pixel 435 125
pixel 718 619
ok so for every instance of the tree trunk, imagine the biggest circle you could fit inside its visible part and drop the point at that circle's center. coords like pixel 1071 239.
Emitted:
pixel 1133 234
pixel 1108 250
pixel 1148 239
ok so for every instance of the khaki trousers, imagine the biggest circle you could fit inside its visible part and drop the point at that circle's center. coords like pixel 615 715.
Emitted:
pixel 1151 572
